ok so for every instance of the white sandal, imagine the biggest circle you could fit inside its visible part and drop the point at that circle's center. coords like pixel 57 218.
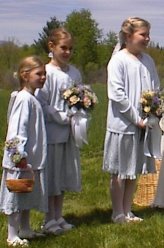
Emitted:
pixel 130 217
pixel 18 242
pixel 52 227
pixel 120 218
pixel 64 224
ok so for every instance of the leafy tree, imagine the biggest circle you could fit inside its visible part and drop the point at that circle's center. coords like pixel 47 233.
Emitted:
pixel 41 43
pixel 110 39
pixel 9 58
pixel 86 34
pixel 105 48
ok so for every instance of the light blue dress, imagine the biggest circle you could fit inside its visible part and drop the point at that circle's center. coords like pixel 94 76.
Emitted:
pixel 128 77
pixel 64 170
pixel 26 122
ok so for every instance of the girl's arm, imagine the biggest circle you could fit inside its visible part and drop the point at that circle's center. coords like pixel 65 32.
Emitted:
pixel 116 92
pixel 18 127
pixel 50 112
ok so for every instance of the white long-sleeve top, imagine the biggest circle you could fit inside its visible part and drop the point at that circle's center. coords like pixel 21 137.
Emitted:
pixel 128 77
pixel 54 106
pixel 26 122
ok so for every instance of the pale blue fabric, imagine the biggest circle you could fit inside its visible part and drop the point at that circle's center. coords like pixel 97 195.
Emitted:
pixel 26 120
pixel 63 156
pixel 128 77
pixel 54 107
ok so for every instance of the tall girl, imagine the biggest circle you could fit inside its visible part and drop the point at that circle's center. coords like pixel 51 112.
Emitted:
pixel 26 124
pixel 63 155
pixel 130 71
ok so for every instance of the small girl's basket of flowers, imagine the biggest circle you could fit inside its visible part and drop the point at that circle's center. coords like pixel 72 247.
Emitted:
pixel 25 181
pixel 152 103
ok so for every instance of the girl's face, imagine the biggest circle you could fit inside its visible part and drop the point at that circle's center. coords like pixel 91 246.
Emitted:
pixel 35 79
pixel 62 51
pixel 139 40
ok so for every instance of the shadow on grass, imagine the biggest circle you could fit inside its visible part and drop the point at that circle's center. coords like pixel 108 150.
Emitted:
pixel 101 216
pixel 147 212
pixel 96 216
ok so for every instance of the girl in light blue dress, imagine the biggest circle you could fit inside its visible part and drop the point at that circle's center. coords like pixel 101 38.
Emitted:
pixel 64 171
pixel 130 72
pixel 26 128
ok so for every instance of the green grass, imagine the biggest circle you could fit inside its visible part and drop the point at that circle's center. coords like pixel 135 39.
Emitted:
pixel 90 210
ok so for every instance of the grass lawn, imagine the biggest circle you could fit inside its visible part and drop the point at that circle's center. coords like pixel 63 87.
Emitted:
pixel 90 210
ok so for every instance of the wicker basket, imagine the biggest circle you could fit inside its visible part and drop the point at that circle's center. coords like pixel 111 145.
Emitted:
pixel 21 185
pixel 146 187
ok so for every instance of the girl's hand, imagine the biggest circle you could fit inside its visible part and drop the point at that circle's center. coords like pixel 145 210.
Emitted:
pixel 141 124
pixel 22 164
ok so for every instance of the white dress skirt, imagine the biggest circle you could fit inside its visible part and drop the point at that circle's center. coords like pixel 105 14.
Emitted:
pixel 15 202
pixel 159 196
pixel 64 172
pixel 124 155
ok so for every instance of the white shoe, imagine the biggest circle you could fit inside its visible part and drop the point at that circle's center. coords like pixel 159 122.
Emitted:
pixel 130 217
pixel 120 218
pixel 52 227
pixel 64 224
pixel 18 242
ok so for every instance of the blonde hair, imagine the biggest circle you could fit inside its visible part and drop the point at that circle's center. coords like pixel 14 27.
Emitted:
pixel 130 25
pixel 58 34
pixel 26 65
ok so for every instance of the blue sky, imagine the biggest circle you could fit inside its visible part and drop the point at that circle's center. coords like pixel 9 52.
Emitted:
pixel 24 19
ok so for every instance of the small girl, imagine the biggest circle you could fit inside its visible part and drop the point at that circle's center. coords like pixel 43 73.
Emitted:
pixel 27 128
pixel 63 154
pixel 130 72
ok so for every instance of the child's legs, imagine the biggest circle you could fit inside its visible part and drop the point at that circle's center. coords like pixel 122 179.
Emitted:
pixel 55 206
pixel 58 206
pixel 128 195
pixel 13 225
pixel 51 209
pixel 25 220
pixel 117 187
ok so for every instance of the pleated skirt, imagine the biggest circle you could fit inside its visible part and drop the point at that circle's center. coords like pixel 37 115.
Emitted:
pixel 64 171
pixel 124 155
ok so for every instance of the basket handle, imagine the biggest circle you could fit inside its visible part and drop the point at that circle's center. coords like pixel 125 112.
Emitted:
pixel 29 168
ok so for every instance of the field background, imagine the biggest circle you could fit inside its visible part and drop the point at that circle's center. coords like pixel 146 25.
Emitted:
pixel 90 210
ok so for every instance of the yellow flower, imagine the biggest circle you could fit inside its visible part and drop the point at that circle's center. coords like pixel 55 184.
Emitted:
pixel 144 101
pixel 74 99
pixel 147 109
pixel 67 93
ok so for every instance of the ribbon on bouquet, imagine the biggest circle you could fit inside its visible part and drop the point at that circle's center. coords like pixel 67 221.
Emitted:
pixel 152 140
pixel 79 124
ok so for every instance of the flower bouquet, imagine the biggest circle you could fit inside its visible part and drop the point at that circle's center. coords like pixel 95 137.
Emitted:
pixel 152 109
pixel 80 99
pixel 152 103
pixel 80 96
pixel 22 184
pixel 13 147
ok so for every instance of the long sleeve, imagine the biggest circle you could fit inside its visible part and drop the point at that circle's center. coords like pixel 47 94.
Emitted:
pixel 19 122
pixel 18 128
pixel 11 103
pixel 51 112
pixel 27 123
pixel 116 92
